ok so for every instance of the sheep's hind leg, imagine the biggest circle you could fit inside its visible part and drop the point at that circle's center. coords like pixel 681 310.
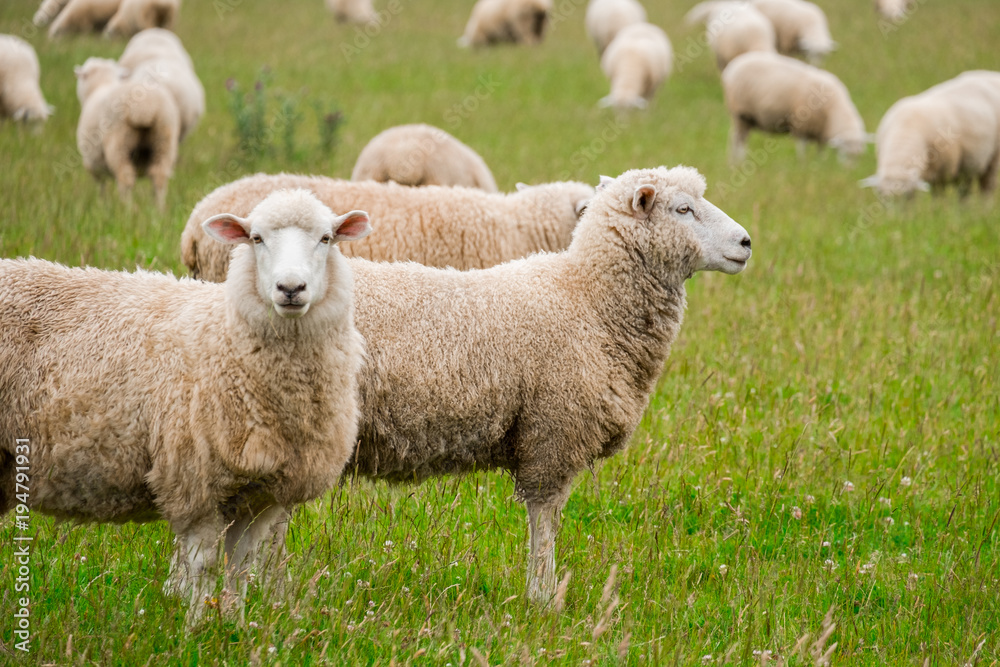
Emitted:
pixel 251 537
pixel 543 525
pixel 738 141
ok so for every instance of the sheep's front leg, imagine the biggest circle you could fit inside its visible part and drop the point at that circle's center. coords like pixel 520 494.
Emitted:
pixel 194 566
pixel 543 524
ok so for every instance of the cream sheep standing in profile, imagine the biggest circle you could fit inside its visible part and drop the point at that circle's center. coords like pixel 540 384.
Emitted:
pixel 127 128
pixel 605 18
pixel 156 57
pixel 638 60
pixel 801 28
pixel 137 15
pixel 541 366
pixel 499 21
pixel 948 134
pixel 214 407
pixel 781 95
pixel 83 16
pixel 352 11
pixel 733 28
pixel 21 96
pixel 422 155
pixel 463 228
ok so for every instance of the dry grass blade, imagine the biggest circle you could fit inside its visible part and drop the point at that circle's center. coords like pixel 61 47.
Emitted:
pixel 605 622
pixel 609 586
pixel 479 657
pixel 559 602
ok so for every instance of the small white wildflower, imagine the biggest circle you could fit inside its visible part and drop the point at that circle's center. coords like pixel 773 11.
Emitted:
pixel 905 481
pixel 83 559
pixel 349 603
pixel 272 649
pixel 371 561
pixel 388 543
pixel 142 612
pixel 453 563
pixel 467 524
pixel 829 565
pixel 350 627
pixel 867 567
pixel 914 576
pixel 370 613
pixel 706 659
pixel 848 487
pixel 371 603
pixel 348 575
pixel 541 650
pixel 826 545
pixel 885 501
pixel 413 545
pixel 796 512
pixel 406 590
pixel 254 625
pixel 889 521
pixel 723 569
pixel 590 538
pixel 810 500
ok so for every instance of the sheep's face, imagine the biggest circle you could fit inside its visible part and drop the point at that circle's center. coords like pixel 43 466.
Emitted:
pixel 664 218
pixel 292 235
pixel 896 185
pixel 94 73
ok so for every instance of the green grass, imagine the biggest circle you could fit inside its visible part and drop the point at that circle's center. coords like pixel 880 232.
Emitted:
pixel 861 345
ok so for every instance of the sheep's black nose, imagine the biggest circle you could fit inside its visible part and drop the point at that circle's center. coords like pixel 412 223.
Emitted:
pixel 745 242
pixel 291 292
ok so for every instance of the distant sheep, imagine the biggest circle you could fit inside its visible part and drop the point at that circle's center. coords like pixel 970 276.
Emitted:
pixel 949 134
pixel 422 155
pixel 127 128
pixel 47 11
pixel 638 61
pixel 352 11
pixel 777 94
pixel 83 16
pixel 801 28
pixel 214 407
pixel 459 227
pixel 499 21
pixel 606 17
pixel 137 15
pixel 21 96
pixel 153 58
pixel 893 9
pixel 733 28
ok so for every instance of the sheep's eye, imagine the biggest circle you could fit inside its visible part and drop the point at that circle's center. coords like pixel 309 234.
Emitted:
pixel 683 209
pixel 326 239
pixel 255 237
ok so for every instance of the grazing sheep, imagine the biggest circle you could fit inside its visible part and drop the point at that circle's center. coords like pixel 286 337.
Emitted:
pixel 637 61
pixel 158 60
pixel 352 11
pixel 215 407
pixel 606 17
pixel 82 16
pixel 137 15
pixel 774 93
pixel 948 134
pixel 498 21
pixel 21 96
pixel 459 227
pixel 540 366
pixel 127 128
pixel 800 26
pixel 892 9
pixel 733 28
pixel 422 155
pixel 48 10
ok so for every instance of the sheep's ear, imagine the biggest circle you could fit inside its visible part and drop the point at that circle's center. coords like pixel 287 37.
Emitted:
pixel 352 226
pixel 642 201
pixel 581 206
pixel 227 228
pixel 605 181
pixel 521 186
pixel 870 182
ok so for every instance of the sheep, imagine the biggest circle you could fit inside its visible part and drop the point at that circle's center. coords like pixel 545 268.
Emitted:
pixel 136 15
pixel 47 11
pixel 127 128
pixel 733 28
pixel 438 226
pixel 422 155
pixel 800 26
pixel 894 10
pixel 82 16
pixel 777 94
pixel 948 134
pixel 540 366
pixel 498 21
pixel 637 61
pixel 161 60
pixel 21 96
pixel 213 406
pixel 605 18
pixel 352 11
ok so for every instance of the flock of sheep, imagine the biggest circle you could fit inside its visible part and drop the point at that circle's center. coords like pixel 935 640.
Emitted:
pixel 544 315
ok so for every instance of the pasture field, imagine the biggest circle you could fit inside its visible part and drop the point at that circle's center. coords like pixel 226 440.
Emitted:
pixel 824 441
